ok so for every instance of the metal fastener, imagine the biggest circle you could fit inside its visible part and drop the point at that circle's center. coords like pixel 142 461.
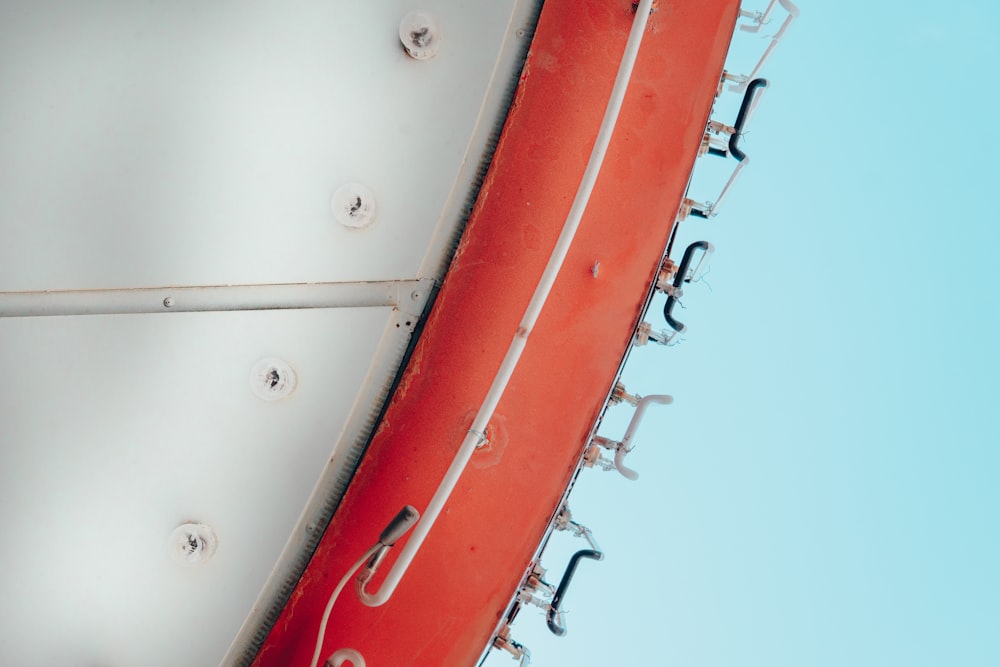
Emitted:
pixel 420 35
pixel 192 543
pixel 353 205
pixel 272 379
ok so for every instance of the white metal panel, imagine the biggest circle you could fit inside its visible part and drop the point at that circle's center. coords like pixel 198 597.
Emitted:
pixel 118 429
pixel 146 144
pixel 158 144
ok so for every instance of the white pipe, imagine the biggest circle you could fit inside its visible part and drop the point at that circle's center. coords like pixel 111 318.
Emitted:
pixel 793 13
pixel 406 294
pixel 712 209
pixel 478 428
pixel 329 607
pixel 633 426
pixel 790 7
pixel 760 20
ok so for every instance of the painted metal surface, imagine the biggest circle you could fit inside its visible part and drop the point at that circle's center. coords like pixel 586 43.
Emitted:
pixel 450 602
pixel 408 296
pixel 198 146
pixel 120 428
pixel 201 143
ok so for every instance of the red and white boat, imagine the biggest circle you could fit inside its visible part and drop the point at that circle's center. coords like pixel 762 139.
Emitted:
pixel 274 272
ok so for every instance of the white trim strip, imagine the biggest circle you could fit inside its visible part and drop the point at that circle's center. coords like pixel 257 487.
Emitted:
pixel 408 295
pixel 541 294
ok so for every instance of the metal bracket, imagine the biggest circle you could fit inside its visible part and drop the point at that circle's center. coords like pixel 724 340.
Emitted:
pixel 644 334
pixel 685 274
pixel 409 296
pixel 504 642
pixel 758 20
pixel 624 446
pixel 732 147
pixel 619 395
pixel 554 616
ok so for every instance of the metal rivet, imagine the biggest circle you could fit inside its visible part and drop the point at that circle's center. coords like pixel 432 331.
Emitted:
pixel 272 379
pixel 416 295
pixel 353 205
pixel 192 543
pixel 420 35
pixel 169 302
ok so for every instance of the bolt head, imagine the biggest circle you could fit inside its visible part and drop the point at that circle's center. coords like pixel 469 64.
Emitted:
pixel 420 35
pixel 272 379
pixel 353 205
pixel 192 543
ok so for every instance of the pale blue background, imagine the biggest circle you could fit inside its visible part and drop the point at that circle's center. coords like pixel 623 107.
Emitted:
pixel 824 489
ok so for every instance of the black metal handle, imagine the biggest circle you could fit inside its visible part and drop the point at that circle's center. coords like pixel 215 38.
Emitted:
pixel 741 118
pixel 557 599
pixel 679 281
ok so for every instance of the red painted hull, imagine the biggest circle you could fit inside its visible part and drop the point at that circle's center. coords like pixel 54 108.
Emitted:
pixel 460 584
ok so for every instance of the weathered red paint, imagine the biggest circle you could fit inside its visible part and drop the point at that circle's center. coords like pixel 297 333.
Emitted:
pixel 459 585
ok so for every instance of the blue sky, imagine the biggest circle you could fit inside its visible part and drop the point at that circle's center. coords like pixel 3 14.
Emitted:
pixel 824 489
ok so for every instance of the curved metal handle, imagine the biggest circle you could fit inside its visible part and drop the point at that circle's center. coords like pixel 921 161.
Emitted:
pixel 750 100
pixel 626 445
pixel 741 118
pixel 793 13
pixel 679 279
pixel 558 629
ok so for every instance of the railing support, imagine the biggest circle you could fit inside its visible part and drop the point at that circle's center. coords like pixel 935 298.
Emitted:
pixel 793 13
pixel 679 279
pixel 553 617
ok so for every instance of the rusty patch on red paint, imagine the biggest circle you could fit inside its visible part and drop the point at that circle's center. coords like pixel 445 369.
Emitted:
pixel 497 439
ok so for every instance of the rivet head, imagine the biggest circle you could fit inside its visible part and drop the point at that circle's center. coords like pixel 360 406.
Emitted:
pixel 420 35
pixel 192 543
pixel 272 379
pixel 169 302
pixel 353 205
